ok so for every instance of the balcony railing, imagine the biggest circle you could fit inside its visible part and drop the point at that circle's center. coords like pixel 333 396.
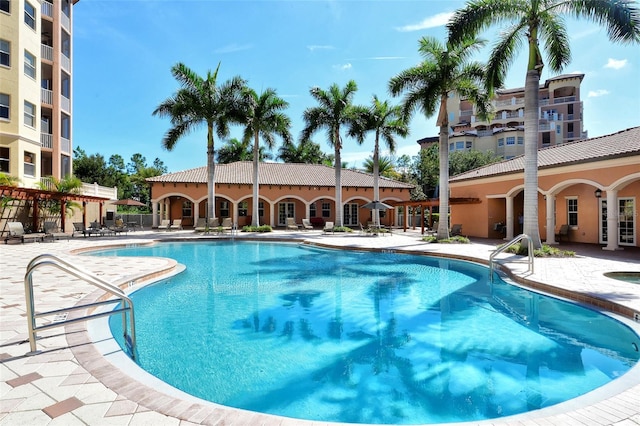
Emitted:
pixel 554 101
pixel 466 112
pixel 46 140
pixel 46 96
pixel 66 22
pixel 485 133
pixel 65 103
pixel 507 102
pixel 47 9
pixel 65 62
pixel 46 52
pixel 65 145
pixel 99 191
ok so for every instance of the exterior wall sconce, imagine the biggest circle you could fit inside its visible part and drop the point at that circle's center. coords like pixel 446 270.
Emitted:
pixel 598 193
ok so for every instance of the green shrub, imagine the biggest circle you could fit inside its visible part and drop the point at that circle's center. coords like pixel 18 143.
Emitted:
pixel 342 229
pixel 261 228
pixel 429 239
pixel 544 251
pixel 458 239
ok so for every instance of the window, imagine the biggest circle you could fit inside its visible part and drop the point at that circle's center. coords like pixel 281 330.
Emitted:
pixel 186 208
pixel 5 6
pixel 29 65
pixel 29 15
pixel 65 83
pixel 572 211
pixel 326 210
pixel 29 164
pixel 29 114
pixel 459 145
pixel 312 210
pixel 4 160
pixel 260 208
pixel 243 208
pixel 5 53
pixel 66 44
pixel 451 146
pixel 224 209
pixel 65 165
pixel 546 138
pixel 4 106
pixel 468 145
pixel 66 8
pixel 511 140
pixel 520 140
pixel 501 142
pixel 65 128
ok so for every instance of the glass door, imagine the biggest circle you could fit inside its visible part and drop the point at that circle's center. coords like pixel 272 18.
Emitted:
pixel 285 210
pixel 351 214
pixel 603 227
pixel 626 222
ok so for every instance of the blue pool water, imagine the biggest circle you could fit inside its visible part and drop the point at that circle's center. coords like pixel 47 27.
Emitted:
pixel 358 337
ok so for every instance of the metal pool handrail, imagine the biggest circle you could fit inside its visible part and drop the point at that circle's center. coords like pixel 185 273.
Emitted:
pixel 51 260
pixel 509 244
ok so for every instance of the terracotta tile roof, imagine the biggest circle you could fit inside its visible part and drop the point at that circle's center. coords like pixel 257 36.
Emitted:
pixel 622 144
pixel 279 174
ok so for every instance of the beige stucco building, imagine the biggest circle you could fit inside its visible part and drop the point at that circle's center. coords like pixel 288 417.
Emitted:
pixel 286 190
pixel 593 186
pixel 35 96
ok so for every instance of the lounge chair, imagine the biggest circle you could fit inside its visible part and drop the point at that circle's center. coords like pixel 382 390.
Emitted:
pixel 201 225
pixel 328 227
pixel 563 232
pixel 456 229
pixel 291 223
pixel 16 232
pixel 227 225
pixel 78 227
pixel 306 224
pixel 96 229
pixel 177 224
pixel 164 224
pixel 119 227
pixel 52 231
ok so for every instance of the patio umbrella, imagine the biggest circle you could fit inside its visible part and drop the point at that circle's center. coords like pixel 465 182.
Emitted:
pixel 377 205
pixel 128 202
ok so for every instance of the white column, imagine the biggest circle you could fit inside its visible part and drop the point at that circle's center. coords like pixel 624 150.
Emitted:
pixel 510 224
pixel 551 219
pixel 272 207
pixel 196 212
pixel 612 221
pixel 154 214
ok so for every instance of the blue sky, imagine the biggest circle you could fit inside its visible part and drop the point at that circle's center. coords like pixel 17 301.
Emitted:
pixel 124 51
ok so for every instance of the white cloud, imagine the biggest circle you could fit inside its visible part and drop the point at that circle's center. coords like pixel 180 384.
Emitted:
pixel 342 67
pixel 597 93
pixel 233 47
pixel 431 22
pixel 314 47
pixel 616 64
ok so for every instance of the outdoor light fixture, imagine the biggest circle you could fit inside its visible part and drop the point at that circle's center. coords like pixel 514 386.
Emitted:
pixel 598 193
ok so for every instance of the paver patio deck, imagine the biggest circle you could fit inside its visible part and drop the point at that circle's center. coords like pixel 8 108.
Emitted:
pixel 69 382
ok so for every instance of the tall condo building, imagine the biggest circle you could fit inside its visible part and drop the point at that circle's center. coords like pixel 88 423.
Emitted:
pixel 36 89
pixel 559 114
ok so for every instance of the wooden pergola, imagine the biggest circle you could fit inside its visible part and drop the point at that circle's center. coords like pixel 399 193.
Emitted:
pixel 35 196
pixel 428 205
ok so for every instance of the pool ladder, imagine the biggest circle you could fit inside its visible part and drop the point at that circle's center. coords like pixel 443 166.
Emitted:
pixel 125 308
pixel 509 244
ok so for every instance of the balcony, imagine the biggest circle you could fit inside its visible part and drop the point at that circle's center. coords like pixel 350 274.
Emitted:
pixel 509 102
pixel 66 22
pixel 46 96
pixel 46 52
pixel 65 62
pixel 65 145
pixel 482 133
pixel 65 103
pixel 46 140
pixel 47 9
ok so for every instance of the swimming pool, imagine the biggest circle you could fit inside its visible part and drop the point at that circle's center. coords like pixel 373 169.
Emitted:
pixel 365 337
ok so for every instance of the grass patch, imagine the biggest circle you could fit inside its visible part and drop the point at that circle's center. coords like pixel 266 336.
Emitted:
pixel 342 229
pixel 544 251
pixel 261 228
pixel 458 239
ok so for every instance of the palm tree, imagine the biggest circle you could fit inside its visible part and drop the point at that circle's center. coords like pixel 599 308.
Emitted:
pixel 306 151
pixel 234 150
pixel 200 101
pixel 334 110
pixel 386 166
pixel 387 122
pixel 445 69
pixel 264 118
pixel 532 21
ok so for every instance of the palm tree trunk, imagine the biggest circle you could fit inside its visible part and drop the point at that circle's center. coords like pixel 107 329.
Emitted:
pixel 443 224
pixel 211 183
pixel 255 220
pixel 376 189
pixel 530 226
pixel 338 167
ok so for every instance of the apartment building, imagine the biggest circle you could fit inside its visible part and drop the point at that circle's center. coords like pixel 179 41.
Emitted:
pixel 560 115
pixel 35 94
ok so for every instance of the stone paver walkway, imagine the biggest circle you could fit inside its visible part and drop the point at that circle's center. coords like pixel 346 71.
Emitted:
pixel 70 382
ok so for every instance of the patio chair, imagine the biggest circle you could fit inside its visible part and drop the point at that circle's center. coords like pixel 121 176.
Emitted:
pixel 328 227
pixel 177 224
pixel 563 232
pixel 291 223
pixel 52 231
pixel 456 229
pixel 119 227
pixel 164 224
pixel 96 229
pixel 306 224
pixel 201 225
pixel 227 224
pixel 17 232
